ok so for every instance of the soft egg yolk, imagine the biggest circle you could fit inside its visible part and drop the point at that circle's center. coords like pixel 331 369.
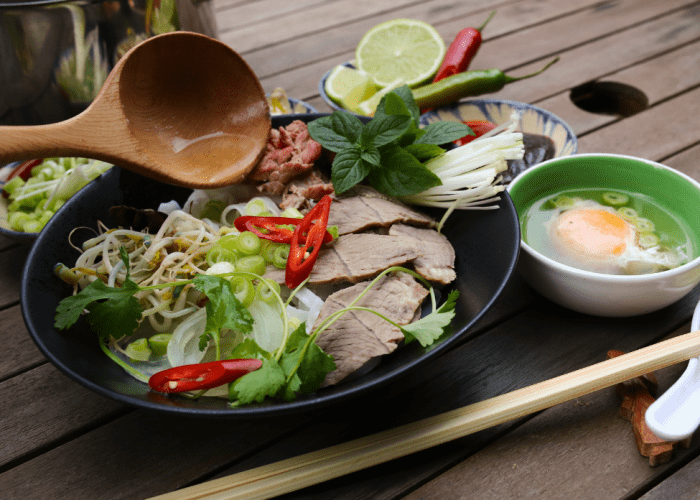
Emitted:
pixel 596 233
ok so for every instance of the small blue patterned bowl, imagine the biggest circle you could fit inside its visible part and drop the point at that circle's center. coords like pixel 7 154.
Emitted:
pixel 532 120
pixel 322 88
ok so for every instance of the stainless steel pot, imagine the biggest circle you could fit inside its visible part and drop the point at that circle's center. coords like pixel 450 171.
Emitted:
pixel 55 55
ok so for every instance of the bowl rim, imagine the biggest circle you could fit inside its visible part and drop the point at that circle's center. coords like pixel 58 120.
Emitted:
pixel 590 275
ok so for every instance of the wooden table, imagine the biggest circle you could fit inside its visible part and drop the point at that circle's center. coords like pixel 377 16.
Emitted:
pixel 60 440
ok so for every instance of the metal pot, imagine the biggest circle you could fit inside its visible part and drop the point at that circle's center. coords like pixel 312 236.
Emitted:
pixel 55 55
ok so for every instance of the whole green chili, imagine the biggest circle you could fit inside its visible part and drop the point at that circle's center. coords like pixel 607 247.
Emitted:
pixel 468 83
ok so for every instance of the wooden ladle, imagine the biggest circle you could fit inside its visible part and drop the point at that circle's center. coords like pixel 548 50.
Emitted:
pixel 181 108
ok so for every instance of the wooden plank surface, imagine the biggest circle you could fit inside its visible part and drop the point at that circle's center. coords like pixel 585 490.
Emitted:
pixel 60 440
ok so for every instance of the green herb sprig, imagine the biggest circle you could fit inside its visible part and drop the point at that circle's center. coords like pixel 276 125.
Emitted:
pixel 388 150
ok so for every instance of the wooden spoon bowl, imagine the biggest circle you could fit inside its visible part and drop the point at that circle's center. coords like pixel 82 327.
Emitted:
pixel 181 108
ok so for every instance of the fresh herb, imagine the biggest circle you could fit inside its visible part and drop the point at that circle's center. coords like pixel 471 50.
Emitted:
pixel 429 328
pixel 301 369
pixel 388 150
pixel 224 310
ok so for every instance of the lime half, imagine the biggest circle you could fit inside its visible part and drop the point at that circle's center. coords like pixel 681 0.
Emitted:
pixel 348 87
pixel 400 49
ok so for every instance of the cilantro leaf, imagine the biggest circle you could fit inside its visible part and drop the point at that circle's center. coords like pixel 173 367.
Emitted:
pixel 307 373
pixel 443 132
pixel 255 386
pixel 349 168
pixel 224 310
pixel 102 302
pixel 428 329
pixel 401 174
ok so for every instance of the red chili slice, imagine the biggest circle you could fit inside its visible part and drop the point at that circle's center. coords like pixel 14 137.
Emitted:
pixel 302 255
pixel 201 375
pixel 479 127
pixel 256 224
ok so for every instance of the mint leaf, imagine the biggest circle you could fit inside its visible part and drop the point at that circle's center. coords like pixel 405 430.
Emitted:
pixel 255 386
pixel 371 155
pixel 336 132
pixel 386 129
pixel 423 152
pixel 428 329
pixel 349 168
pixel 224 310
pixel 404 105
pixel 102 301
pixel 401 174
pixel 444 132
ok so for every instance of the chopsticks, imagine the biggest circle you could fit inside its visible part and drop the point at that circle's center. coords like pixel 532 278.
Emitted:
pixel 305 470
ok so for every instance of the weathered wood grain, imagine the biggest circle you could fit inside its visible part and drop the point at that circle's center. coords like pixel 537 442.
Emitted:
pixel 543 342
pixel 11 264
pixel 20 352
pixel 41 407
pixel 683 485
pixel 659 78
pixel 605 55
pixel 581 449
pixel 638 135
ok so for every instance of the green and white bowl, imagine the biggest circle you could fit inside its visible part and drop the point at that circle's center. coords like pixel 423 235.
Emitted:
pixel 605 294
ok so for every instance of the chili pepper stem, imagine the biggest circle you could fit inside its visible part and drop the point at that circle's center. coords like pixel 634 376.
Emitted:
pixel 481 28
pixel 510 79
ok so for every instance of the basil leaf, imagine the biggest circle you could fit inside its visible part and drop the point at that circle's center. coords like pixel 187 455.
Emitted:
pixel 401 174
pixel 348 169
pixel 386 129
pixel 423 152
pixel 444 132
pixel 336 132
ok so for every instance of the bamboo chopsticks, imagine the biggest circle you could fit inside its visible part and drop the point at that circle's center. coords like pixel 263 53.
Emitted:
pixel 315 467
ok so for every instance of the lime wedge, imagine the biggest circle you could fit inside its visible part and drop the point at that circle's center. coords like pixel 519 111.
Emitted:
pixel 348 87
pixel 404 49
pixel 369 106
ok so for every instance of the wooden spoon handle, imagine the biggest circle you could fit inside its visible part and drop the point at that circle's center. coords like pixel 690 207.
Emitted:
pixel 41 141
pixel 318 466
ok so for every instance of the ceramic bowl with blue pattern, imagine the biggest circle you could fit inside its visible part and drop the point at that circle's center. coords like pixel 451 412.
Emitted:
pixel 533 122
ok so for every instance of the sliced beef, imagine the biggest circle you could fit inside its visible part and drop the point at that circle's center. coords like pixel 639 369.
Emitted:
pixel 356 257
pixel 290 152
pixel 438 260
pixel 359 336
pixel 369 209
pixel 302 189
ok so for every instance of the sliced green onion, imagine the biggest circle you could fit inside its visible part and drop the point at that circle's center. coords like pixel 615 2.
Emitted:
pixel 292 213
pixel 255 206
pixel 644 225
pixel 213 210
pixel 219 254
pixel 138 350
pixel 627 213
pixel 251 264
pixel 264 291
pixel 280 256
pixel 13 184
pixel 647 240
pixel 615 199
pixel 243 289
pixel 248 243
pixel 159 343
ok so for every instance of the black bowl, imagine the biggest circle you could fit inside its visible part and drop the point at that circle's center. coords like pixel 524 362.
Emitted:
pixel 486 242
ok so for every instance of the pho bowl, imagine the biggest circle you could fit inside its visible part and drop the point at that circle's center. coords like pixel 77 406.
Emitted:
pixel 545 135
pixel 487 247
pixel 605 281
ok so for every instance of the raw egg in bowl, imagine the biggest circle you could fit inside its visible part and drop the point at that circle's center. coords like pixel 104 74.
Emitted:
pixel 608 235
